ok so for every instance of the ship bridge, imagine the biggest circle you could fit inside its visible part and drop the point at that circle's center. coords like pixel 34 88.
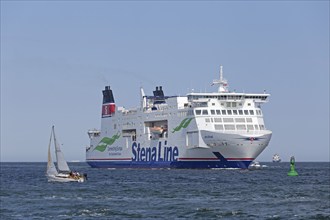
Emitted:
pixel 227 97
pixel 224 95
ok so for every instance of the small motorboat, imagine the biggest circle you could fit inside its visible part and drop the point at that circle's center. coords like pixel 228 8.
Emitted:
pixel 255 165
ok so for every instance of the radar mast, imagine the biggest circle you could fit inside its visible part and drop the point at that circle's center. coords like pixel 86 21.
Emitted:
pixel 223 84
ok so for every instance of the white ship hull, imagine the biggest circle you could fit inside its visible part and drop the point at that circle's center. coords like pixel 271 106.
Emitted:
pixel 65 178
pixel 225 151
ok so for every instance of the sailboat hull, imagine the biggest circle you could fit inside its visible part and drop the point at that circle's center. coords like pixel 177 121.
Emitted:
pixel 65 178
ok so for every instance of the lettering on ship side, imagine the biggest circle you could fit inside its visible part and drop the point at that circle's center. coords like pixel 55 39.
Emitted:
pixel 115 151
pixel 159 153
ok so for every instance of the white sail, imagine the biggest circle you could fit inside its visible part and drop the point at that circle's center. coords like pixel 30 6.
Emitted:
pixel 51 169
pixel 62 165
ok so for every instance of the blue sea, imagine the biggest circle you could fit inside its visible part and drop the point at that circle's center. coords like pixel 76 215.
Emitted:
pixel 167 194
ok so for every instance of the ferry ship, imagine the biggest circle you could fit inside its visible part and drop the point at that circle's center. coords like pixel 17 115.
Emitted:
pixel 220 129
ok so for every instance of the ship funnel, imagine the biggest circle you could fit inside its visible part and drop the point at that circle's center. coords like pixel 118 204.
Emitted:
pixel 159 96
pixel 107 95
pixel 108 106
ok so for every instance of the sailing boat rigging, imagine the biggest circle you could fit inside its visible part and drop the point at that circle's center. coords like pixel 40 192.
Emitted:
pixel 62 172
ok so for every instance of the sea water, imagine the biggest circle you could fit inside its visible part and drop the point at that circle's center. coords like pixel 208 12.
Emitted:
pixel 167 194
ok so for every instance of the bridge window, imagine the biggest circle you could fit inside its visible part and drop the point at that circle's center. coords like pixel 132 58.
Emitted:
pixel 241 120
pixel 251 112
pixel 240 112
pixel 217 120
pixel 230 127
pixel 235 112
pixel 205 112
pixel 218 112
pixel 250 127
pixel 198 112
pixel 246 112
pixel 240 127
pixel 228 120
pixel 212 112
pixel 218 127
pixel 223 112
pixel 229 112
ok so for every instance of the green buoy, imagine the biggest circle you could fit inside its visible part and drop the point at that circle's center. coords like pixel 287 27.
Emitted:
pixel 292 171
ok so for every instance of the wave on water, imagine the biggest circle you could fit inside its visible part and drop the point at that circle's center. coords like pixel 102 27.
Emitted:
pixel 168 193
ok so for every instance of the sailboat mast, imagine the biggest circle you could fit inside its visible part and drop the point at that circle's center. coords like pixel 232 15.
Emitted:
pixel 53 132
pixel 51 169
pixel 49 153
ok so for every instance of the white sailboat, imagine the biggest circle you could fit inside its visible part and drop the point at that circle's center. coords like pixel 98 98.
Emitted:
pixel 62 172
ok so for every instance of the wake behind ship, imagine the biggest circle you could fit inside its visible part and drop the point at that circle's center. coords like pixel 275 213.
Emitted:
pixel 201 130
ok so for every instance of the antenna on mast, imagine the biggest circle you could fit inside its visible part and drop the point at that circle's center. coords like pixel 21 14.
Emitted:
pixel 222 82
pixel 221 73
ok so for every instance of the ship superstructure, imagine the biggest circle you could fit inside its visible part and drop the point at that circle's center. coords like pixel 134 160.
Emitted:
pixel 200 130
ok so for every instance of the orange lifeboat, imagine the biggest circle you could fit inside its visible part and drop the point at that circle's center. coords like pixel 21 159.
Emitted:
pixel 156 130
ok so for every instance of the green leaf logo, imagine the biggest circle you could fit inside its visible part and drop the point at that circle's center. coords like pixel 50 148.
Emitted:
pixel 106 141
pixel 184 123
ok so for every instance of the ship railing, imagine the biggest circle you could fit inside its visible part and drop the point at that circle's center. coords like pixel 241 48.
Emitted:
pixel 129 112
pixel 93 133
pixel 199 104
pixel 156 109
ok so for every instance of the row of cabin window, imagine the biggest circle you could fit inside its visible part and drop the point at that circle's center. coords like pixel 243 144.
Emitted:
pixel 239 127
pixel 226 97
pixel 228 120
pixel 227 112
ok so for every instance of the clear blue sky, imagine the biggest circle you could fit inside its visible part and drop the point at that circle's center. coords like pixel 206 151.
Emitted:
pixel 57 56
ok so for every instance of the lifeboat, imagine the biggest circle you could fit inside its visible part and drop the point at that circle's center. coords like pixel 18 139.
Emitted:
pixel 156 130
